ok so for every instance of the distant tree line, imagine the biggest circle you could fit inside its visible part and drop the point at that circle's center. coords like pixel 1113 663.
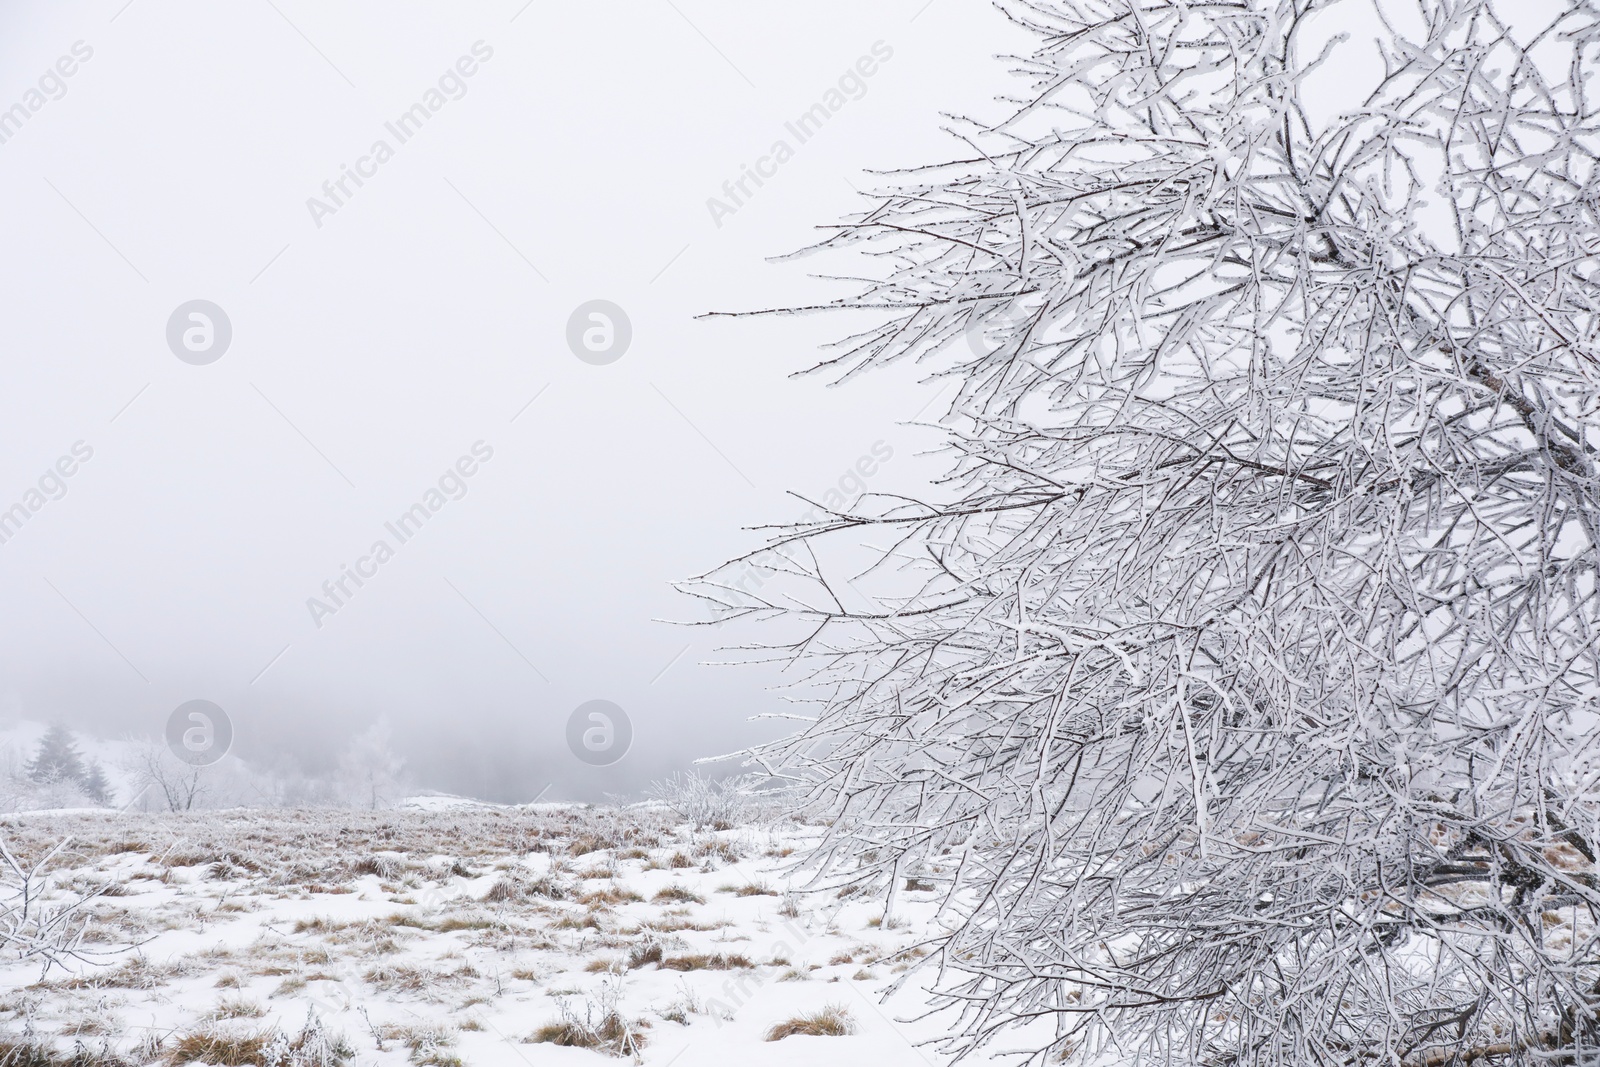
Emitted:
pixel 368 774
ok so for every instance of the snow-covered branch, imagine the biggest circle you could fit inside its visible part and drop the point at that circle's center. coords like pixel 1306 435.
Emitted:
pixel 1244 683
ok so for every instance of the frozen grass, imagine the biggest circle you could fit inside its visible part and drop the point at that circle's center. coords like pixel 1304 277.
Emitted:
pixel 677 894
pixel 30 1053
pixel 311 1047
pixel 423 937
pixel 704 962
pixel 831 1021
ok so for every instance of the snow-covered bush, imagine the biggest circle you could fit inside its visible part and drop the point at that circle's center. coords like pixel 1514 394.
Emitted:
pixel 39 920
pixel 602 1026
pixel 702 801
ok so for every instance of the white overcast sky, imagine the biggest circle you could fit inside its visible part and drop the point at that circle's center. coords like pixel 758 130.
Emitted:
pixel 370 353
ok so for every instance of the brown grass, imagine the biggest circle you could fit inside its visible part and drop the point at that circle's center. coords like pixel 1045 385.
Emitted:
pixel 613 1036
pixel 832 1021
pixel 514 890
pixel 236 1008
pixel 584 844
pixel 137 973
pixel 223 1050
pixel 720 849
pixel 677 894
pixel 400 977
pixel 699 962
pixel 35 1054
pixel 644 953
pixel 426 1044
pixel 387 868
pixel 611 895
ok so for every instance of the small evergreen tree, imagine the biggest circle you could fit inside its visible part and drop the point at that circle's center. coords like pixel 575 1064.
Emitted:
pixel 95 784
pixel 58 759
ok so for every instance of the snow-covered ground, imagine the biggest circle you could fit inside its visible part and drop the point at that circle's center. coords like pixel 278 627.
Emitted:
pixel 458 933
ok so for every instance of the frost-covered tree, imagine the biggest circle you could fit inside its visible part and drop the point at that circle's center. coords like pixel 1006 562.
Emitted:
pixel 96 786
pixel 370 771
pixel 58 758
pixel 160 777
pixel 1239 688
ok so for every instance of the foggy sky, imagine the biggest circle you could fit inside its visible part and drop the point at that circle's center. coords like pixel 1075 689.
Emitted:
pixel 379 339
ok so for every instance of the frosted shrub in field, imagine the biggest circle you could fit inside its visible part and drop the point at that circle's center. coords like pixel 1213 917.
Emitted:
pixel 715 803
pixel 38 920
pixel 313 1046
pixel 601 1027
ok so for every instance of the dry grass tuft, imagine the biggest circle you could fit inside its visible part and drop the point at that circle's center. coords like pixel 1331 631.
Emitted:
pixel 677 894
pixel 236 1008
pixel 426 1045
pixel 832 1021
pixel 221 1049
pixel 584 844
pixel 136 973
pixel 648 951
pixel 612 896
pixel 613 1035
pixel 513 889
pixel 387 868
pixel 311 1047
pixel 699 962
pixel 721 849
pixel 29 1053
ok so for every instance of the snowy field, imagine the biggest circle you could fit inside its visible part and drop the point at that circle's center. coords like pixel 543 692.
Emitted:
pixel 460 935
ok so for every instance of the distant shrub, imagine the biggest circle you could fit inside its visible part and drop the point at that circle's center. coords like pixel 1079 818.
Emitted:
pixel 705 803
